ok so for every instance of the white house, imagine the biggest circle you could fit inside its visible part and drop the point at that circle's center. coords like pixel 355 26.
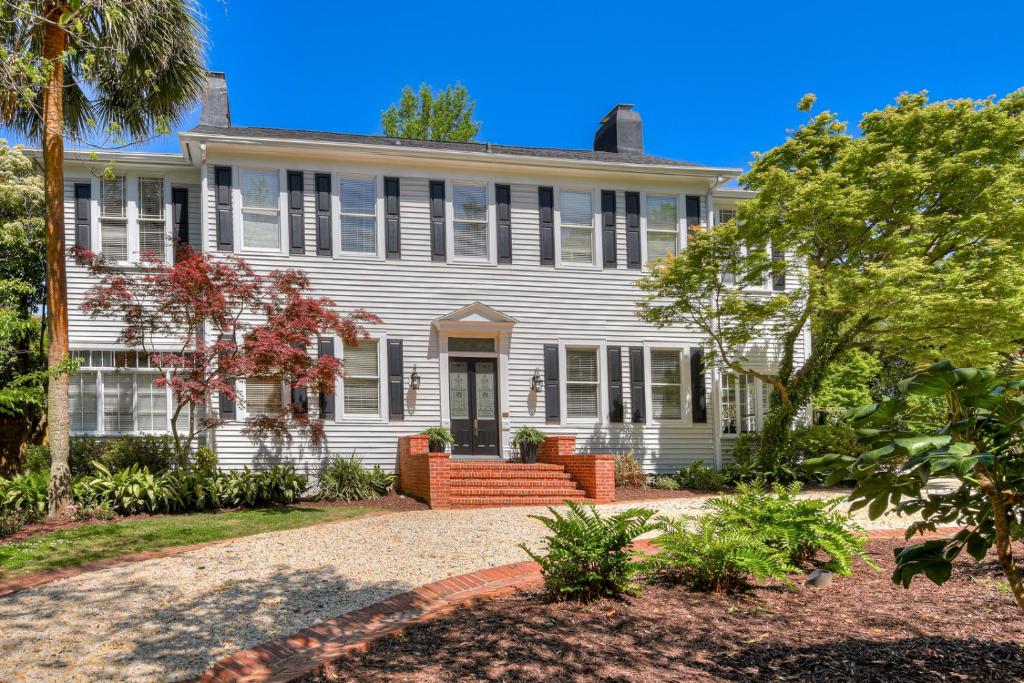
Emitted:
pixel 504 277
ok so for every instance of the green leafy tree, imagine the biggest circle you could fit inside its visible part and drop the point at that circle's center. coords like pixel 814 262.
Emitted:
pixel 847 383
pixel 446 115
pixel 980 443
pixel 71 68
pixel 905 239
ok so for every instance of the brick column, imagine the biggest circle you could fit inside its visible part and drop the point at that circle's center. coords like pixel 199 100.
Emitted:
pixel 422 474
pixel 594 473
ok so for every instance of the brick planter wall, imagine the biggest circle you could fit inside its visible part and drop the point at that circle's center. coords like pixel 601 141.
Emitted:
pixel 422 474
pixel 594 473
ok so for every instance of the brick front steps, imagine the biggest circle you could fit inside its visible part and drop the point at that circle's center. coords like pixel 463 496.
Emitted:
pixel 560 474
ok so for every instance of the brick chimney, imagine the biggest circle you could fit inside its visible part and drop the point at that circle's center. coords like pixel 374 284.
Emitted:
pixel 621 131
pixel 216 110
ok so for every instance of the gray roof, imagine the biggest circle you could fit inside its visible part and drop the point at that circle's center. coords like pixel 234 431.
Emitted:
pixel 482 147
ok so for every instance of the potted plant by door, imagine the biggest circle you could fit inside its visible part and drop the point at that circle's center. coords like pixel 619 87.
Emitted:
pixel 527 440
pixel 440 438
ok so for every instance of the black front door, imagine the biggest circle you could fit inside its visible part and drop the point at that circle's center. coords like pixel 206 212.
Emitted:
pixel 473 396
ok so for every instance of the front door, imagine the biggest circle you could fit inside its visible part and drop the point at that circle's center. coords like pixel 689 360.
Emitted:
pixel 473 386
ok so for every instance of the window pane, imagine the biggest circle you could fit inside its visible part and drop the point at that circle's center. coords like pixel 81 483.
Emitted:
pixel 359 234
pixel 581 400
pixel 151 238
pixel 470 202
pixel 725 215
pixel 660 245
pixel 470 344
pixel 661 213
pixel 151 198
pixel 577 245
pixel 118 402
pixel 576 208
pixel 260 230
pixel 729 404
pixel 665 366
pixel 263 395
pixel 112 198
pixel 114 239
pixel 581 365
pixel 667 402
pixel 470 240
pixel 458 391
pixel 82 397
pixel 362 397
pixel 359 196
pixel 152 404
pixel 361 361
pixel 260 189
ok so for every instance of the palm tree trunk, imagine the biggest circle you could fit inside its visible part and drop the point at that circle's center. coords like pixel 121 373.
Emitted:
pixel 54 42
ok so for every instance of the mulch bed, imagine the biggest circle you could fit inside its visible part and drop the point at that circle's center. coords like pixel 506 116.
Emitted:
pixel 628 495
pixel 393 502
pixel 862 628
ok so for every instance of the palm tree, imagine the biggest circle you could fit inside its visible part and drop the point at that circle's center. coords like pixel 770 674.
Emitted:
pixel 130 68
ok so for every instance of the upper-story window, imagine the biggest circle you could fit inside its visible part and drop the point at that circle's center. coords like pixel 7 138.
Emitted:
pixel 152 237
pixel 114 219
pixel 359 215
pixel 662 226
pixel 261 209
pixel 470 226
pixel 666 384
pixel 577 227
pixel 582 383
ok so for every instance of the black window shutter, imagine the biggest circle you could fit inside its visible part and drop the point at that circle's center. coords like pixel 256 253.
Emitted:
pixel 393 230
pixel 322 186
pixel 633 230
pixel 778 278
pixel 222 197
pixel 300 400
pixel 226 405
pixel 615 409
pixel 296 214
pixel 637 396
pixel 325 347
pixel 552 402
pixel 503 199
pixel 83 215
pixel 546 209
pixel 608 228
pixel 692 213
pixel 396 381
pixel 438 244
pixel 179 215
pixel 698 387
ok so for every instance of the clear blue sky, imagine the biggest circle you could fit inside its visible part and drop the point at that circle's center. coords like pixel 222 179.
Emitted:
pixel 713 81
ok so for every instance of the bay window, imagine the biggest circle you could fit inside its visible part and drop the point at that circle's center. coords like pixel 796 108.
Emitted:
pixel 662 226
pixel 666 384
pixel 582 383
pixel 577 227
pixel 261 209
pixel 470 224
pixel 361 386
pixel 358 198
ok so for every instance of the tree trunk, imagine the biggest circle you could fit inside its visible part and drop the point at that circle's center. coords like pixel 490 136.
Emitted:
pixel 54 42
pixel 1001 521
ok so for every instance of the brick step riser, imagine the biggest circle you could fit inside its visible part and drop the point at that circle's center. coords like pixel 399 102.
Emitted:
pixel 517 476
pixel 465 503
pixel 506 467
pixel 510 492
pixel 533 484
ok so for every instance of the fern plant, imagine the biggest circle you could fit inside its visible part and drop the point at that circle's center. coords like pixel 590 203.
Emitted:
pixel 800 527
pixel 588 556
pixel 714 557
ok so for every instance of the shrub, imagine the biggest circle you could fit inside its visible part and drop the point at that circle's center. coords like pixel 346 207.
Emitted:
pixel 714 558
pixel 152 452
pixel 628 471
pixel 798 527
pixel 440 438
pixel 699 477
pixel 205 460
pixel 347 479
pixel 36 459
pixel 588 556
pixel 818 440
pixel 28 492
pixel 83 452
pixel 666 483
pixel 81 513
pixel 13 521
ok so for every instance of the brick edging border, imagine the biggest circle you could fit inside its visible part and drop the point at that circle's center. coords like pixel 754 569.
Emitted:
pixel 287 658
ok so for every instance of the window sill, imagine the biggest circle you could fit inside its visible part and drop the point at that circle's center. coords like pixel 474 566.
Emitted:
pixel 358 256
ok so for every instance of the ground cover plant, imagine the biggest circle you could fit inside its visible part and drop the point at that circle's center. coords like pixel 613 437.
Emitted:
pixel 629 472
pixel 347 479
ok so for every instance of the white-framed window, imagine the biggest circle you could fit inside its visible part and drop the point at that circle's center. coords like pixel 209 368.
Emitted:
pixel 576 232
pixel 470 224
pixel 582 383
pixel 114 218
pixel 358 202
pixel 116 392
pixel 666 384
pixel 261 209
pixel 662 226
pixel 361 385
pixel 151 217
pixel 82 401
pixel 263 396
pixel 745 402
pixel 726 215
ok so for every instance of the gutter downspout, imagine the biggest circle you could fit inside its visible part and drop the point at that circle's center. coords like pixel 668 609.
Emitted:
pixel 716 402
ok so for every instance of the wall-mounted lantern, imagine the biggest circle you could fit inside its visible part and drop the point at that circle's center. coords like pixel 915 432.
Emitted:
pixel 414 379
pixel 536 383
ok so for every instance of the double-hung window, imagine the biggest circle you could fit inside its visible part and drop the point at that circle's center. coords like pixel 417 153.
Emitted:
pixel 263 396
pixel 745 402
pixel 662 226
pixel 582 383
pixel 117 392
pixel 152 238
pixel 726 215
pixel 261 209
pixel 362 379
pixel 576 210
pixel 666 384
pixel 358 198
pixel 470 225
pixel 82 399
pixel 113 219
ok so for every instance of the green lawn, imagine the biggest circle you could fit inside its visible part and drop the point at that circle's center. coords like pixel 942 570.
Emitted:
pixel 75 546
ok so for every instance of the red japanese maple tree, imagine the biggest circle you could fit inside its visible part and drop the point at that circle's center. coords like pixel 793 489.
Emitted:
pixel 207 322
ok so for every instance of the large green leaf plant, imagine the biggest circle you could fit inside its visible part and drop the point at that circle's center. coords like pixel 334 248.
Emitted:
pixel 980 446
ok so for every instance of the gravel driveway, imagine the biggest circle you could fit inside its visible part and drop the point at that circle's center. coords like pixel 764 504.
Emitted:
pixel 171 618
